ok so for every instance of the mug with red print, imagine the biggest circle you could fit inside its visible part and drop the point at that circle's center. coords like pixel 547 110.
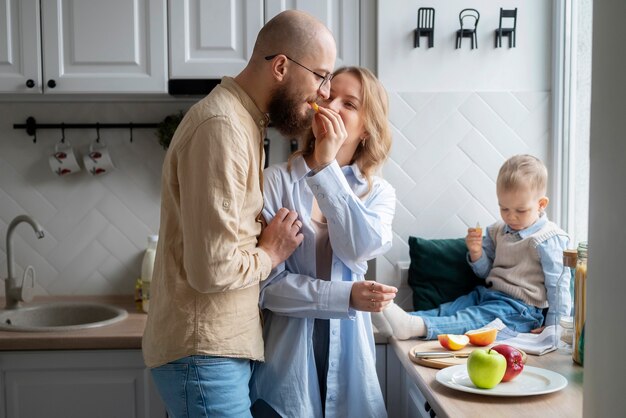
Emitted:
pixel 63 161
pixel 98 160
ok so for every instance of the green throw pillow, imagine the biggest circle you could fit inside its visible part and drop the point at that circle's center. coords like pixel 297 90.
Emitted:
pixel 439 271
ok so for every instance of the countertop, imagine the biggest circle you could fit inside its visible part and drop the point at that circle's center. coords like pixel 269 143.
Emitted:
pixel 448 402
pixel 122 335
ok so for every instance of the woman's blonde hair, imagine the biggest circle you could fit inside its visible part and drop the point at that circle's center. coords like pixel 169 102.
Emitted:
pixel 372 152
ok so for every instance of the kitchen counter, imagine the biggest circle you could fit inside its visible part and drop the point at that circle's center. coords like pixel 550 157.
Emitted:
pixel 447 402
pixel 122 335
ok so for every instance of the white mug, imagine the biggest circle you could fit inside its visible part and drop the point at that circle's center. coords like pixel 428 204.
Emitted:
pixel 63 161
pixel 98 160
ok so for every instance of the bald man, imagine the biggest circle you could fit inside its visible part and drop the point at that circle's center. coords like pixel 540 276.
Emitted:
pixel 203 326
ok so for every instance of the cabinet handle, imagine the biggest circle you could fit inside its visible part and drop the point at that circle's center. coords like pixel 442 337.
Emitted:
pixel 426 406
pixel 52 84
pixel 30 83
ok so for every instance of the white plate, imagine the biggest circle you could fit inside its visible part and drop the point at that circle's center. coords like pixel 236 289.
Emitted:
pixel 532 381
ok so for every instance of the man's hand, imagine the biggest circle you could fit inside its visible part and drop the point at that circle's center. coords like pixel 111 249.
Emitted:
pixel 371 296
pixel 281 236
pixel 474 242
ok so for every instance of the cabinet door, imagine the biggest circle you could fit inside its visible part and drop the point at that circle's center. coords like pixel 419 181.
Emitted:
pixel 341 17
pixel 211 39
pixel 20 48
pixel 112 46
pixel 76 384
pixel 381 368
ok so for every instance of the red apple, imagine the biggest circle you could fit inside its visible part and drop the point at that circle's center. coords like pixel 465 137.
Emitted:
pixel 514 361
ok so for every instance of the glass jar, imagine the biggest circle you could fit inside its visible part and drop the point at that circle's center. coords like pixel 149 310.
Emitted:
pixel 566 322
pixel 580 303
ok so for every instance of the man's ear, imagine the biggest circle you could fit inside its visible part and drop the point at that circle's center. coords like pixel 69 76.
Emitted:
pixel 543 203
pixel 279 67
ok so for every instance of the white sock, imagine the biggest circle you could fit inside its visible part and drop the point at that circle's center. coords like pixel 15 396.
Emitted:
pixel 381 324
pixel 404 326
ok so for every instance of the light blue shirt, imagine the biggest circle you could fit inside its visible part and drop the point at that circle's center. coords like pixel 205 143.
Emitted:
pixel 551 258
pixel 359 229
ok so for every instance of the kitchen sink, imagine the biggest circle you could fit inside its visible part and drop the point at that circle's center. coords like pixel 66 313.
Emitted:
pixel 60 316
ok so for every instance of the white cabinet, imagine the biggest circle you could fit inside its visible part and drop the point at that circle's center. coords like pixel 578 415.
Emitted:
pixel 87 46
pixel 404 399
pixel 20 46
pixel 210 39
pixel 76 384
pixel 381 368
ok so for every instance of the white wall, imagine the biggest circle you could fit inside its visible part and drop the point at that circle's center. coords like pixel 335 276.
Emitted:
pixel 457 115
pixel 444 68
pixel 605 337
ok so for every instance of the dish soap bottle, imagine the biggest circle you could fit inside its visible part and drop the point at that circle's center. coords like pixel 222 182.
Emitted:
pixel 147 267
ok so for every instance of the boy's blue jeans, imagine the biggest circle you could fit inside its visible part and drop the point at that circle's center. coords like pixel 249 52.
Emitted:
pixel 204 386
pixel 477 309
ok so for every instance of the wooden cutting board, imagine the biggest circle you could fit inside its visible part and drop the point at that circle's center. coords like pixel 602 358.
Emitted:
pixel 438 363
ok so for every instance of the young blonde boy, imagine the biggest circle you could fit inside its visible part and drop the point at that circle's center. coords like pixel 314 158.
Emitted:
pixel 520 258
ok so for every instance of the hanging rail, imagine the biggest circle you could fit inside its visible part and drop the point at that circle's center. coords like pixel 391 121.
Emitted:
pixel 31 126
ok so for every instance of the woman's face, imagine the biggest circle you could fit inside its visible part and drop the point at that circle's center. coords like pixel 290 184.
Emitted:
pixel 347 100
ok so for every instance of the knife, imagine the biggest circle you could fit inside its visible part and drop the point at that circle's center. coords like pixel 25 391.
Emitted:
pixel 439 354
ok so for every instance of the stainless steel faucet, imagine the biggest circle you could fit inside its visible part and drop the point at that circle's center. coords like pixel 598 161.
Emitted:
pixel 14 293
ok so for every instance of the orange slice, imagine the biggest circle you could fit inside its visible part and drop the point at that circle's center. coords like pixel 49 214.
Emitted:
pixel 314 106
pixel 482 336
pixel 453 342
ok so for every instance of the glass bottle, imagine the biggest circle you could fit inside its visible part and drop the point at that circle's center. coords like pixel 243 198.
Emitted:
pixel 567 275
pixel 147 267
pixel 580 303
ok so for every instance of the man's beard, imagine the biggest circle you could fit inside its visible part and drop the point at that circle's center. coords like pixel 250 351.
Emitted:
pixel 283 111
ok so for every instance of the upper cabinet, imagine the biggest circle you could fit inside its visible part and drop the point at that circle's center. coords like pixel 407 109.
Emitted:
pixel 211 39
pixel 86 46
pixel 341 17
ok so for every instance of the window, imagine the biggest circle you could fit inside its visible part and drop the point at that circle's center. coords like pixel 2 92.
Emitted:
pixel 571 115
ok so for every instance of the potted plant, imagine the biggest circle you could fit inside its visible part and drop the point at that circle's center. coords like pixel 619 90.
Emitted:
pixel 167 127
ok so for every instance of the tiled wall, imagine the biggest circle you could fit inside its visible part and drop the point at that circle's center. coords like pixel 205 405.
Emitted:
pixel 96 227
pixel 447 150
pixel 457 115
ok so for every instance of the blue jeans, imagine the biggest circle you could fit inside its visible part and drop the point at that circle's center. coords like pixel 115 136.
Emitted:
pixel 477 309
pixel 204 386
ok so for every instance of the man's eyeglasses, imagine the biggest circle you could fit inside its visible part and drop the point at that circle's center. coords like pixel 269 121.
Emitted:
pixel 325 78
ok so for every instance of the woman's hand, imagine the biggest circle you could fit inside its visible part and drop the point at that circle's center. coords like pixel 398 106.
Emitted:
pixel 330 134
pixel 369 296
pixel 474 242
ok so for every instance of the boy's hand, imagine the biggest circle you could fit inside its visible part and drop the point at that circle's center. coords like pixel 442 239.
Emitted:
pixel 474 242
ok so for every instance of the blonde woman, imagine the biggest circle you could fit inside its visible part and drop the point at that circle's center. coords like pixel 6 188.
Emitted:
pixel 319 347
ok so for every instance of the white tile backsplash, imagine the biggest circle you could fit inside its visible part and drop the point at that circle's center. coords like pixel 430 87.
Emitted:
pixel 96 227
pixel 448 148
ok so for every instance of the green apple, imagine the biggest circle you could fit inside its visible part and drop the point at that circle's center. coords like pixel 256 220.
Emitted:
pixel 486 368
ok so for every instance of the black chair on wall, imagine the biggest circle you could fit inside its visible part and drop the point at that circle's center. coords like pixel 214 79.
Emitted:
pixel 468 18
pixel 425 26
pixel 508 31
